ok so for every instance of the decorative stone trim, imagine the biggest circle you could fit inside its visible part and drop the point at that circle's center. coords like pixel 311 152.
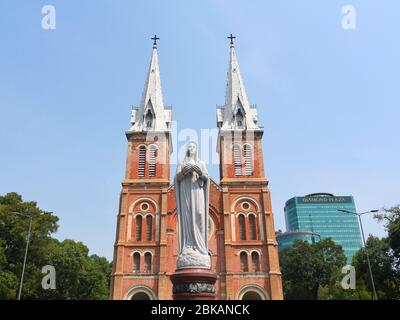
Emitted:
pixel 196 287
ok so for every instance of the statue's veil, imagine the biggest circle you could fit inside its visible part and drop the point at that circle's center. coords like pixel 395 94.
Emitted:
pixel 196 158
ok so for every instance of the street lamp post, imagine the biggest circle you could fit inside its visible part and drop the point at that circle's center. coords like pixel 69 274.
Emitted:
pixel 359 214
pixel 26 252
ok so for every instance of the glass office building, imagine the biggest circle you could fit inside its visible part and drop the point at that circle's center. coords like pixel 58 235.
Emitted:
pixel 318 213
pixel 286 239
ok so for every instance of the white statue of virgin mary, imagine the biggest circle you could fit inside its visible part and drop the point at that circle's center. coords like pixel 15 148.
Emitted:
pixel 191 189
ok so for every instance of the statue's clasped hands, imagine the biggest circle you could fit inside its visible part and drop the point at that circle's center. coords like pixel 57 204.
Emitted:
pixel 189 168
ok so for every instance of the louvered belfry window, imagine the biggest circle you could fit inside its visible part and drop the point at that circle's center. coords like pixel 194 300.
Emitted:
pixel 248 160
pixel 138 228
pixel 242 227
pixel 244 266
pixel 256 262
pixel 147 262
pixel 152 161
pixel 142 161
pixel 136 262
pixel 149 227
pixel 252 226
pixel 237 159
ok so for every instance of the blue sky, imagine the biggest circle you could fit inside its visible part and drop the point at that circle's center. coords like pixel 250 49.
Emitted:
pixel 328 98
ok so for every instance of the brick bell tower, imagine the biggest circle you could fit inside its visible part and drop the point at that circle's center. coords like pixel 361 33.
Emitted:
pixel 242 244
pixel 140 240
pixel 249 231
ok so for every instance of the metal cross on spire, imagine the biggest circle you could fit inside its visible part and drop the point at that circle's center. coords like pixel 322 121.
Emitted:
pixel 155 38
pixel 231 37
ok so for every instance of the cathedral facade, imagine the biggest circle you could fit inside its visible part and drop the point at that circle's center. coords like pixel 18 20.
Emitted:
pixel 242 243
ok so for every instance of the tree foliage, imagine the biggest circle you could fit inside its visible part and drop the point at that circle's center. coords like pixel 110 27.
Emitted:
pixel 78 274
pixel 8 280
pixel 391 217
pixel 384 255
pixel 312 271
pixel 306 268
pixel 384 266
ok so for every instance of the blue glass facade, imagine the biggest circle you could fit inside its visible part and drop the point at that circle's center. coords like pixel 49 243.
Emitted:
pixel 286 239
pixel 319 213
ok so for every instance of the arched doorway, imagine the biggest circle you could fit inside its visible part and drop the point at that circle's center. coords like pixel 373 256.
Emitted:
pixel 140 292
pixel 251 295
pixel 140 296
pixel 252 292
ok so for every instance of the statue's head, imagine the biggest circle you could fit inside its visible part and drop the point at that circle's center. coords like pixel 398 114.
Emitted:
pixel 191 149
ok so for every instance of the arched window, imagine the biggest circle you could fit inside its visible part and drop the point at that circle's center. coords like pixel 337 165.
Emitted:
pixel 237 160
pixel 248 160
pixel 142 160
pixel 244 266
pixel 242 227
pixel 239 119
pixel 252 227
pixel 136 262
pixel 255 258
pixel 138 228
pixel 149 119
pixel 149 228
pixel 152 160
pixel 147 262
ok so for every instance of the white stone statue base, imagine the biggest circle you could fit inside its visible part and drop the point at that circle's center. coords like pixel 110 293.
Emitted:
pixel 190 258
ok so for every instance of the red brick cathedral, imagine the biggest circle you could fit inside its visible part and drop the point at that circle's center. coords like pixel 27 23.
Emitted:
pixel 242 243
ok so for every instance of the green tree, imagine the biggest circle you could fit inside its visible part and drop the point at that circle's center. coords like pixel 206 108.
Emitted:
pixel 335 291
pixel 306 268
pixel 14 231
pixel 8 280
pixel 391 217
pixel 78 275
pixel 383 265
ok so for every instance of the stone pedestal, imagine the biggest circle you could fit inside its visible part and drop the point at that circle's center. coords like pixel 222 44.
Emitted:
pixel 194 284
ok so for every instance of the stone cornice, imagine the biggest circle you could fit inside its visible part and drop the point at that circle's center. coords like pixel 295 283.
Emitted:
pixel 244 181
pixel 145 182
pixel 141 135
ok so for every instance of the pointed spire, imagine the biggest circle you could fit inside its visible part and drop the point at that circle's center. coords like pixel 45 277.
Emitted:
pixel 237 112
pixel 151 114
